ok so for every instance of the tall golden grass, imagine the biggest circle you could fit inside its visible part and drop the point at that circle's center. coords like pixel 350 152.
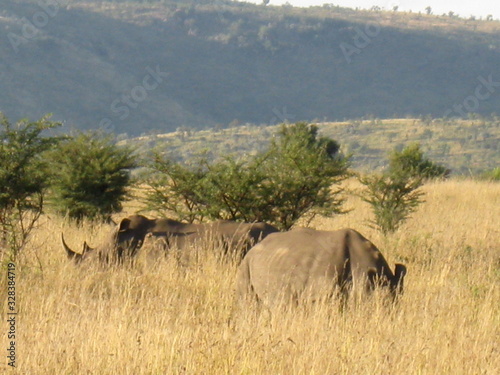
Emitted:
pixel 163 318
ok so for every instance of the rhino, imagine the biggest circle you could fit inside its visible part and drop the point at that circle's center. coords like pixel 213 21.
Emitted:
pixel 308 265
pixel 126 239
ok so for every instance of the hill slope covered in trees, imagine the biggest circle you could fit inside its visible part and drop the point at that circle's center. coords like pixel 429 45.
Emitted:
pixel 132 67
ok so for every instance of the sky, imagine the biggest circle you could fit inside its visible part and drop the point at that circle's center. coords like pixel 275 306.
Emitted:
pixel 477 8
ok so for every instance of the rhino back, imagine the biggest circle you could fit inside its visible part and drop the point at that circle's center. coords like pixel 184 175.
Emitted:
pixel 298 263
pixel 168 226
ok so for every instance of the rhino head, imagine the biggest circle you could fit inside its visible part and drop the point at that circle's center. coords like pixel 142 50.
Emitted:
pixel 124 241
pixel 397 283
pixel 87 252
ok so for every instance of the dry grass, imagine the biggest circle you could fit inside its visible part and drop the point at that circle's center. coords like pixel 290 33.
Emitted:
pixel 165 319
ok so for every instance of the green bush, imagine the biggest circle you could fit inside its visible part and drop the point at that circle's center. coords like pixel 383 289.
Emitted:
pixel 91 175
pixel 412 162
pixel 232 189
pixel 23 178
pixel 290 180
pixel 303 172
pixel 393 197
pixel 173 187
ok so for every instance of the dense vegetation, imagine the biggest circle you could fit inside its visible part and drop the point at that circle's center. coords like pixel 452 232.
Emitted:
pixel 133 66
pixel 84 177
pixel 23 179
pixel 90 176
pixel 297 176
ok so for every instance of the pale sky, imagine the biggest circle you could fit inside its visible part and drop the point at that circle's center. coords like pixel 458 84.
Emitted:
pixel 464 8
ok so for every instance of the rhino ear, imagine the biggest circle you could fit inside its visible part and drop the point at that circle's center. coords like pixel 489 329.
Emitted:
pixel 124 225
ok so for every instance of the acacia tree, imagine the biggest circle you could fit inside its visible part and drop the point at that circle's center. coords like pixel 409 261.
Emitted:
pixel 91 175
pixel 395 195
pixel 290 180
pixel 393 199
pixel 232 190
pixel 23 178
pixel 303 172
pixel 173 187
pixel 412 162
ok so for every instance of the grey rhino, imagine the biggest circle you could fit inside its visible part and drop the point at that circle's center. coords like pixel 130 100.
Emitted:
pixel 128 237
pixel 307 264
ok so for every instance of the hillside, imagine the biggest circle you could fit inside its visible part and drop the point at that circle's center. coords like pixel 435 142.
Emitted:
pixel 132 67
pixel 466 146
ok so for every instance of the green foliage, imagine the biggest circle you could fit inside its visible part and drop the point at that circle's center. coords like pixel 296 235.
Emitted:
pixel 23 178
pixel 291 179
pixel 302 169
pixel 91 176
pixel 174 187
pixel 394 195
pixel 392 198
pixel 233 190
pixel 411 161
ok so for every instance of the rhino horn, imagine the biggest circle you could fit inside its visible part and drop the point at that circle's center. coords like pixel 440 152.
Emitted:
pixel 71 254
pixel 87 248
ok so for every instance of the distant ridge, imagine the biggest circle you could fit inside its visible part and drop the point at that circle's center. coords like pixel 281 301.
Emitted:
pixel 468 147
pixel 130 67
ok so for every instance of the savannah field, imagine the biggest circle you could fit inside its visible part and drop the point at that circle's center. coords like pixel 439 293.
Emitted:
pixel 162 318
